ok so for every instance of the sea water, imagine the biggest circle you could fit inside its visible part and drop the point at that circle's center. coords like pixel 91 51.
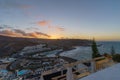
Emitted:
pixel 82 52
pixel 106 47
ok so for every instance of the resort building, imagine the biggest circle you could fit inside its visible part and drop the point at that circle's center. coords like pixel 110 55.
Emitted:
pixel 34 49
pixel 78 70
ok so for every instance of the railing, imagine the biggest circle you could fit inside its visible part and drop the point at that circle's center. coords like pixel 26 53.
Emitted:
pixel 96 64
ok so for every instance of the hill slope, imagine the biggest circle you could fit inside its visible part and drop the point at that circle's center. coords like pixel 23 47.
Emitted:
pixel 11 45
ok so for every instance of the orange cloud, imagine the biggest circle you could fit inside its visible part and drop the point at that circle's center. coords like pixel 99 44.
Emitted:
pixel 48 24
pixel 21 33
pixel 38 35
pixel 43 34
pixel 33 35
pixel 43 23
pixel 9 32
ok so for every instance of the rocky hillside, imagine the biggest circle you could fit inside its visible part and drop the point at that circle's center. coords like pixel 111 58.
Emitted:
pixel 11 45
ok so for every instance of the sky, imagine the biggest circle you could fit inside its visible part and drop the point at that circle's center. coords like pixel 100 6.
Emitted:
pixel 54 19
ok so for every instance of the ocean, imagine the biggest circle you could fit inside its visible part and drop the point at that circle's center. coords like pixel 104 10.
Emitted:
pixel 106 47
pixel 81 53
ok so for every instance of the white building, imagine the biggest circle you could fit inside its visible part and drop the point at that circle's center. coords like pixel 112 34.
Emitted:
pixel 32 49
pixel 7 60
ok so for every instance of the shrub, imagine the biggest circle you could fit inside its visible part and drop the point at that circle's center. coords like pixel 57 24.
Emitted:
pixel 116 57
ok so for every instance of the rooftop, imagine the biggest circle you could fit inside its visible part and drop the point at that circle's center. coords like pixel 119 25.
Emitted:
pixel 69 60
pixel 111 73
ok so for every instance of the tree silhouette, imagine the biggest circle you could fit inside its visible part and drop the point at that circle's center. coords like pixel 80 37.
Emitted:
pixel 95 52
pixel 112 51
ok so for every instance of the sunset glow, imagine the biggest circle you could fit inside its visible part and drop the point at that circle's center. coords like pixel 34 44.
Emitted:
pixel 55 37
pixel 48 19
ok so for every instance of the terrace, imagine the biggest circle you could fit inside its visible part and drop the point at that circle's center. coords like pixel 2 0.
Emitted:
pixel 111 73
pixel 73 72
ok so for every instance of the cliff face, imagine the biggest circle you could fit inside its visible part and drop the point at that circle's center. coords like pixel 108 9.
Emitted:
pixel 11 45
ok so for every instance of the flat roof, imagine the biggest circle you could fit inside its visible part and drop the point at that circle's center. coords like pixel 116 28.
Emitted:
pixel 68 59
pixel 111 73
